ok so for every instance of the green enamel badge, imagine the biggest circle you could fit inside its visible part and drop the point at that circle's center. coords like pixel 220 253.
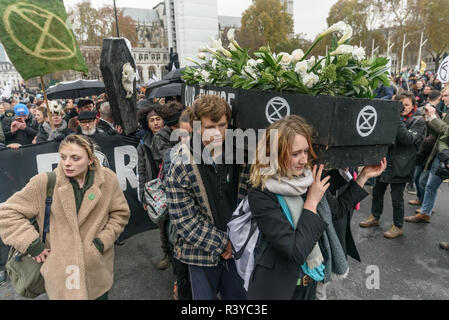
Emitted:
pixel 91 196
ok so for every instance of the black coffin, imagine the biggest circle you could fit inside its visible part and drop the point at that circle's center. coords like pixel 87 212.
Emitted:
pixel 350 132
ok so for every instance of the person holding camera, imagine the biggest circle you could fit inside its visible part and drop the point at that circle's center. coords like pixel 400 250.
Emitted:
pixel 401 158
pixel 433 163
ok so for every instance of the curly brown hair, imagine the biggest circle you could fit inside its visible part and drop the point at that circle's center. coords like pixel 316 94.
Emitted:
pixel 211 106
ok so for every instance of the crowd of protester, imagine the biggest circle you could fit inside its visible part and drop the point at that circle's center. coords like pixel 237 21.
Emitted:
pixel 302 211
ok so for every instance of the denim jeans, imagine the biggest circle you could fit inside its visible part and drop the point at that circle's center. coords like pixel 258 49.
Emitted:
pixel 431 189
pixel 420 179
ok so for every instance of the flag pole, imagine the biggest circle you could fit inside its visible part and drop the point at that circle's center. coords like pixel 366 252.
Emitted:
pixel 116 20
pixel 50 118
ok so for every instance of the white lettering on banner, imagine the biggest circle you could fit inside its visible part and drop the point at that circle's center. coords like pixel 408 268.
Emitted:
pixel 46 161
pixel 123 171
pixel 229 97
pixel 126 171
pixel 189 96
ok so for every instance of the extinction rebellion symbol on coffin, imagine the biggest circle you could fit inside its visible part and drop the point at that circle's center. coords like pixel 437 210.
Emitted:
pixel 366 121
pixel 277 108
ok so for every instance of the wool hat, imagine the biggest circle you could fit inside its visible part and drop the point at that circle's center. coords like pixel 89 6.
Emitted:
pixel 87 115
pixel 21 110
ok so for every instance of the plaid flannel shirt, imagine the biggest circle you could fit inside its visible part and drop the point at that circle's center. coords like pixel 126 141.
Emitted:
pixel 199 241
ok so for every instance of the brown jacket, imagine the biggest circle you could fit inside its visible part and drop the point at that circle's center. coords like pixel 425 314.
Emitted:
pixel 104 214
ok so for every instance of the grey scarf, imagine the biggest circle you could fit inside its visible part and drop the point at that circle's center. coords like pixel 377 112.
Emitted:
pixel 336 263
pixel 52 134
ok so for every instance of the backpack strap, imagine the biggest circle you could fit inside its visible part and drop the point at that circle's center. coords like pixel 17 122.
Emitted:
pixel 51 176
pixel 285 209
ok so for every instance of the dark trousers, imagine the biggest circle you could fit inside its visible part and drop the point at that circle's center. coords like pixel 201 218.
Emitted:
pixel 207 282
pixel 305 293
pixel 181 271
pixel 397 197
pixel 4 251
pixel 166 246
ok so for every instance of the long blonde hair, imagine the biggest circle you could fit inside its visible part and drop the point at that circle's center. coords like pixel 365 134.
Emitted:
pixel 87 144
pixel 285 129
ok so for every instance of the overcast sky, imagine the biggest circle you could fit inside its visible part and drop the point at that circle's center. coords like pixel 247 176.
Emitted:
pixel 310 16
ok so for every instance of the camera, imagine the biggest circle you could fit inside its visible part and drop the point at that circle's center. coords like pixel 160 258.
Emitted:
pixel 442 171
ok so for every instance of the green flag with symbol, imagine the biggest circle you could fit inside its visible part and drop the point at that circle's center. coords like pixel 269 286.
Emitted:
pixel 37 37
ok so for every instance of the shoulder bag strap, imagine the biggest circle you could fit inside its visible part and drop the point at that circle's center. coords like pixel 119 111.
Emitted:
pixel 285 209
pixel 48 201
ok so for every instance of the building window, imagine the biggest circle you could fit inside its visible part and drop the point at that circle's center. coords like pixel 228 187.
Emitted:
pixel 163 71
pixel 140 70
pixel 151 72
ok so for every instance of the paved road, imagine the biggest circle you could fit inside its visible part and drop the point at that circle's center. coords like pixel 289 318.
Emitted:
pixel 410 267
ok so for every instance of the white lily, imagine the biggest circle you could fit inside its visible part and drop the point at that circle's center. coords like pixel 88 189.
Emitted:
pixel 343 49
pixel 206 76
pixel 231 35
pixel 340 26
pixel 202 49
pixel 297 55
pixel 311 62
pixel 252 63
pixel 310 79
pixel 347 34
pixel 232 47
pixel 214 64
pixel 230 72
pixel 286 58
pixel 301 67
pixel 358 54
pixel 201 56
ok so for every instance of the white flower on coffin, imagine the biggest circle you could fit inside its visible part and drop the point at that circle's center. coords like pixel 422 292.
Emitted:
pixel 347 34
pixel 359 54
pixel 230 72
pixel 343 49
pixel 311 62
pixel 310 79
pixel 286 58
pixel 232 47
pixel 202 49
pixel 214 64
pixel 339 27
pixel 301 67
pixel 202 56
pixel 250 71
pixel 297 55
pixel 206 76
pixel 252 63
pixel 231 35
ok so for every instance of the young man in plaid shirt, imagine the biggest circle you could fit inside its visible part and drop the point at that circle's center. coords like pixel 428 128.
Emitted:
pixel 203 190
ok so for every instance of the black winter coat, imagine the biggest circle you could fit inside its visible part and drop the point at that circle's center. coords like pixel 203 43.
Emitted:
pixel 278 262
pixel 342 203
pixel 22 137
pixel 401 156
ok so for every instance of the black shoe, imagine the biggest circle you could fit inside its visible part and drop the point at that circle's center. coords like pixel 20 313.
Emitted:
pixel 119 243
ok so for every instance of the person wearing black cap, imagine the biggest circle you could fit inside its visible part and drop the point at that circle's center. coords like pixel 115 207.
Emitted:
pixel 88 123
pixel 83 105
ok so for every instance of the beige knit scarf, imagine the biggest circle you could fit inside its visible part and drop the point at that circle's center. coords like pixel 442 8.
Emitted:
pixel 291 190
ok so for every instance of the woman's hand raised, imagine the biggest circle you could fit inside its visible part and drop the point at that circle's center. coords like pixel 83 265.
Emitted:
pixel 317 189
